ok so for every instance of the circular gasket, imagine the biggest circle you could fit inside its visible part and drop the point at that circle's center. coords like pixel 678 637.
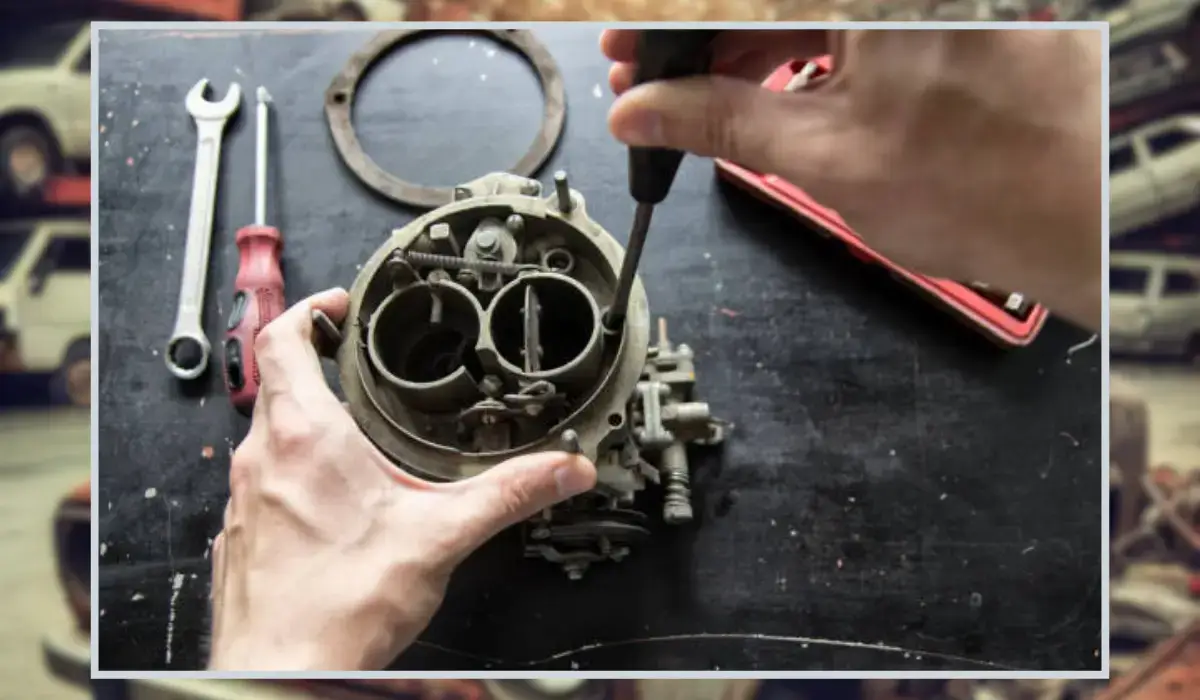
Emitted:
pixel 339 103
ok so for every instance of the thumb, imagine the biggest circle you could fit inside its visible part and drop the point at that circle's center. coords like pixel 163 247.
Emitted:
pixel 516 490
pixel 719 117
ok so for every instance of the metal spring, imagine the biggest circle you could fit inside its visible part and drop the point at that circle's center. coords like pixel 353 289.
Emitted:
pixel 450 262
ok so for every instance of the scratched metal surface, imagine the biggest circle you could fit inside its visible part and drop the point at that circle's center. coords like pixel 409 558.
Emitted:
pixel 896 495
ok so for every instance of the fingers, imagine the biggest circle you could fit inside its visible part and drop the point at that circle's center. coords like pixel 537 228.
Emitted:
pixel 287 360
pixel 724 118
pixel 619 44
pixel 218 564
pixel 514 491
pixel 749 54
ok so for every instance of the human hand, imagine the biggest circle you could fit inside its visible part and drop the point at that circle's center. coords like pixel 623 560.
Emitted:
pixel 331 558
pixel 967 154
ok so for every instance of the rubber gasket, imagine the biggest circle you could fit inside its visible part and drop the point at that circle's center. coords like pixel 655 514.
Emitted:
pixel 339 104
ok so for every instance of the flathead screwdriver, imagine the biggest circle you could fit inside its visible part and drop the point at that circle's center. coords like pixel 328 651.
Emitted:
pixel 258 290
pixel 662 54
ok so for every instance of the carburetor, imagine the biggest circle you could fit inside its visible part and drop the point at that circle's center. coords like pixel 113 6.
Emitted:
pixel 475 334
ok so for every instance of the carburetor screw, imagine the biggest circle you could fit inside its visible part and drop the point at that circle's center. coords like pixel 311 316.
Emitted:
pixel 563 192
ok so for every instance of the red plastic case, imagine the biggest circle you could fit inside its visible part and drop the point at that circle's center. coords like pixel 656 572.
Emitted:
pixel 968 305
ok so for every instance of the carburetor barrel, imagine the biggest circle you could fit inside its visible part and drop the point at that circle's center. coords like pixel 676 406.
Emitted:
pixel 546 326
pixel 420 339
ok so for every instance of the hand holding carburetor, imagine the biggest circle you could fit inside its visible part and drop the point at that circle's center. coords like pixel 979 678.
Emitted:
pixel 477 332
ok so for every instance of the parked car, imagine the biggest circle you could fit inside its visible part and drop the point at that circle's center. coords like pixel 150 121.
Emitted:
pixel 1154 173
pixel 1154 46
pixel 1146 70
pixel 1133 21
pixel 45 104
pixel 45 303
pixel 1154 304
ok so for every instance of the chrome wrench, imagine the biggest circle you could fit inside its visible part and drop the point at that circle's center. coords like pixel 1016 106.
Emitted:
pixel 188 350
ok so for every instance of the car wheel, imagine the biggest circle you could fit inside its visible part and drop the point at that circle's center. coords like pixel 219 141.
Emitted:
pixel 1191 351
pixel 72 384
pixel 79 382
pixel 28 158
pixel 10 361
pixel 349 12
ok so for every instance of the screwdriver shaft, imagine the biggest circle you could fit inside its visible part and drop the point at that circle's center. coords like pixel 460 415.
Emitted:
pixel 629 266
pixel 260 159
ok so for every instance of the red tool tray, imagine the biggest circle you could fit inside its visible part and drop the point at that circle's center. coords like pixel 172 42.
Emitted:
pixel 987 316
pixel 67 192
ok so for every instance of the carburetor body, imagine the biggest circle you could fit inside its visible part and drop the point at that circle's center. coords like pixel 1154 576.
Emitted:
pixel 475 334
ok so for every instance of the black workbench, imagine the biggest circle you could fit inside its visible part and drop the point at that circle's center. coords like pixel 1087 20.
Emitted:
pixel 897 493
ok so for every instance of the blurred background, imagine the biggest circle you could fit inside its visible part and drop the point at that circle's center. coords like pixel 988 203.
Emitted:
pixel 45 371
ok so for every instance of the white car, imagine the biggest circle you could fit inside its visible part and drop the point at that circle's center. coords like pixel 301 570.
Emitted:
pixel 1138 20
pixel 1154 173
pixel 1153 45
pixel 45 303
pixel 1146 70
pixel 45 104
pixel 1154 304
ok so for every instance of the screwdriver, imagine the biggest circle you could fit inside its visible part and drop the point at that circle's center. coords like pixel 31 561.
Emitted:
pixel 662 54
pixel 258 289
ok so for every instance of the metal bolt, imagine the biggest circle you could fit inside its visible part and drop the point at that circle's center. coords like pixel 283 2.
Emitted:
pixel 515 223
pixel 563 190
pixel 491 385
pixel 677 513
pixel 443 240
pixel 570 441
pixel 486 240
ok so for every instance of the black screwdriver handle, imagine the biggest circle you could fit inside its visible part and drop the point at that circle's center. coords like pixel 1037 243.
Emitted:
pixel 665 54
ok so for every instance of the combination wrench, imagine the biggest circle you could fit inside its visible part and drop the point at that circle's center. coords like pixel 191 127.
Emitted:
pixel 188 350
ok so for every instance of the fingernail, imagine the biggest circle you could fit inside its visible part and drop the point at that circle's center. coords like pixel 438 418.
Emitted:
pixel 643 129
pixel 571 480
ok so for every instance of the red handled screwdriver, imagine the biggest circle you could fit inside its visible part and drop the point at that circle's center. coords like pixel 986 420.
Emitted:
pixel 258 296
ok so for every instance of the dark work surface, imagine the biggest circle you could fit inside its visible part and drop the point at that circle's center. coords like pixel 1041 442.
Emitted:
pixel 897 493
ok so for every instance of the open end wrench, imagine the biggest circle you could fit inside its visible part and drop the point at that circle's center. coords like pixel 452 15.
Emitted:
pixel 188 350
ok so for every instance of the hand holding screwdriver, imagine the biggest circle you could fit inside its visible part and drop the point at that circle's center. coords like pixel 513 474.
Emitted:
pixel 662 54
pixel 258 296
pixel 1024 213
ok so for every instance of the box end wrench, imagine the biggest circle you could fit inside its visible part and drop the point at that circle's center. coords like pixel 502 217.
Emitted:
pixel 188 350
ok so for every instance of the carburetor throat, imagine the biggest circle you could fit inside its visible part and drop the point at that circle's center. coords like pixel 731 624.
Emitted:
pixel 475 334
